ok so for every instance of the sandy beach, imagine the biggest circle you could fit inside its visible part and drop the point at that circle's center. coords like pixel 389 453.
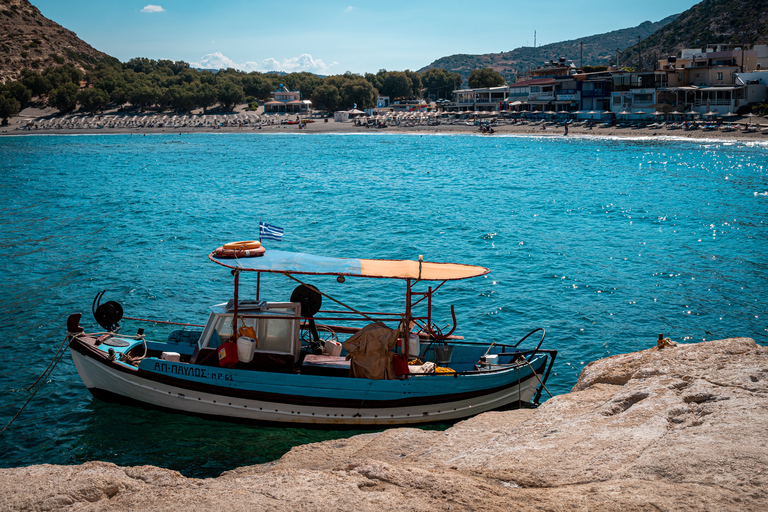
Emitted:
pixel 34 121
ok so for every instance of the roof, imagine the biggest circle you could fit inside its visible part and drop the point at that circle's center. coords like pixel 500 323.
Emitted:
pixel 284 262
pixel 533 81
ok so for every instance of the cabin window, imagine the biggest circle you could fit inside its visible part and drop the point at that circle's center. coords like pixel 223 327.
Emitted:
pixel 276 334
pixel 276 327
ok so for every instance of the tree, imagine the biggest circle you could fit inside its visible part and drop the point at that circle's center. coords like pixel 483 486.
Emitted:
pixel 395 84
pixel 19 91
pixel 9 107
pixel 326 97
pixel 485 77
pixel 182 97
pixel 255 85
pixel 92 99
pixel 118 96
pixel 35 82
pixel 415 79
pixel 205 96
pixel 358 92
pixel 143 94
pixel 64 97
pixel 229 94
pixel 439 83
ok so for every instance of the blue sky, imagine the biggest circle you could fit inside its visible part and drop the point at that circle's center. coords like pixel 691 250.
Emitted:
pixel 331 37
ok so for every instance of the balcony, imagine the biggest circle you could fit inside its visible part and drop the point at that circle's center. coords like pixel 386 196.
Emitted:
pixel 594 93
pixel 541 96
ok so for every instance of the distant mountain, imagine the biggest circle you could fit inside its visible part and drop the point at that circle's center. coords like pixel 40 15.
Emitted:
pixel 30 40
pixel 598 49
pixel 709 22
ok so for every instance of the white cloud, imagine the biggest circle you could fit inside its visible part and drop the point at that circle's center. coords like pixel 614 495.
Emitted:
pixel 153 8
pixel 350 8
pixel 304 62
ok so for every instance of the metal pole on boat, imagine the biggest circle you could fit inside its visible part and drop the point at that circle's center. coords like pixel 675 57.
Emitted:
pixel 407 320
pixel 233 336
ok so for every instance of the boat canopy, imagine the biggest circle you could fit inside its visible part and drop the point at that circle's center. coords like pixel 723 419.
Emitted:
pixel 284 262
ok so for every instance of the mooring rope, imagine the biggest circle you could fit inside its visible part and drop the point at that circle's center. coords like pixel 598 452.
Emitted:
pixel 538 379
pixel 56 358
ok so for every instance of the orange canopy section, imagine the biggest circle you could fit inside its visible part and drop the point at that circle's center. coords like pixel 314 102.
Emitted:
pixel 430 271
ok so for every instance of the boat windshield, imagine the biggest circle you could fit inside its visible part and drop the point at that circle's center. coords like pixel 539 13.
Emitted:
pixel 276 328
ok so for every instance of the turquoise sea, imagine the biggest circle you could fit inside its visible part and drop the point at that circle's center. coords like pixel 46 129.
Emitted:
pixel 604 243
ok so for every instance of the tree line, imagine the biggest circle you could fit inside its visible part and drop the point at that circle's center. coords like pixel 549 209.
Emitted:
pixel 142 83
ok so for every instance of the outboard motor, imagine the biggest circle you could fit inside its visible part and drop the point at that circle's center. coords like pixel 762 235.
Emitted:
pixel 310 299
pixel 109 314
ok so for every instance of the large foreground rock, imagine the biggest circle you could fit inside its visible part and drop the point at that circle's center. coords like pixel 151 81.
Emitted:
pixel 679 428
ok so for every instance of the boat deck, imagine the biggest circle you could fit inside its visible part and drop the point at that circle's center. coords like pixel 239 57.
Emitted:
pixel 332 366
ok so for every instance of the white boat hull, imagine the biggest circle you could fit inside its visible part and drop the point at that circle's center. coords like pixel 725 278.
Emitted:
pixel 107 381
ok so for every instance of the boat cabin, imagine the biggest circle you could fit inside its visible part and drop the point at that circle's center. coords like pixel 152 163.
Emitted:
pixel 276 325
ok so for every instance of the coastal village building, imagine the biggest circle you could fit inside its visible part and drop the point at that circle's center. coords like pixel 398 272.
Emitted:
pixel 287 102
pixel 716 79
pixel 486 99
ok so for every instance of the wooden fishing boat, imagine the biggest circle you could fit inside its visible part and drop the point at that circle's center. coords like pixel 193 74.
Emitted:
pixel 293 362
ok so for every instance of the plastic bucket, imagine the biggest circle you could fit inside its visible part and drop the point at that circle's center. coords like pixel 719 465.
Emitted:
pixel 414 347
pixel 245 349
pixel 332 348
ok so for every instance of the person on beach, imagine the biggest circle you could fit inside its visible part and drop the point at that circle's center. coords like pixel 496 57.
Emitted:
pixel 566 130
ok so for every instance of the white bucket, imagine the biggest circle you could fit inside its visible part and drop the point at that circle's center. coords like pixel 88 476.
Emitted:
pixel 245 349
pixel 332 348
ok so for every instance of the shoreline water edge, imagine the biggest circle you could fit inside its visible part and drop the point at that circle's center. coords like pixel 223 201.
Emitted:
pixel 41 123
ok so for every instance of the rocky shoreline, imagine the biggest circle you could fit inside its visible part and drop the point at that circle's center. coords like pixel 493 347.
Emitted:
pixel 675 428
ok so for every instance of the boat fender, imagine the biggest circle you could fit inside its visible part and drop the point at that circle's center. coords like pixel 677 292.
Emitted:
pixel 243 245
pixel 221 252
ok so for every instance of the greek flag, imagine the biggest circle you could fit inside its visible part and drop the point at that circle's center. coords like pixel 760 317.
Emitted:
pixel 270 232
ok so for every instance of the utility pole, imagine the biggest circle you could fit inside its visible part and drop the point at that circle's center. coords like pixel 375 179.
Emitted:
pixel 534 39
pixel 581 56
pixel 639 58
pixel 617 58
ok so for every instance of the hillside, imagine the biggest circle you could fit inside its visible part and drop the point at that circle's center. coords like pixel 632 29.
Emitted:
pixel 30 40
pixel 709 22
pixel 597 50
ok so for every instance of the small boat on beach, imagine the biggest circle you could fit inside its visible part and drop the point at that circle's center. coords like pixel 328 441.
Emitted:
pixel 292 362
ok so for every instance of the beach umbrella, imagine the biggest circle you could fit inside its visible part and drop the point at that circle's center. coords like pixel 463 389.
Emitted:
pixel 730 114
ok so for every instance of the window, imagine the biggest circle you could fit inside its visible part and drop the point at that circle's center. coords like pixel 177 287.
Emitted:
pixel 720 76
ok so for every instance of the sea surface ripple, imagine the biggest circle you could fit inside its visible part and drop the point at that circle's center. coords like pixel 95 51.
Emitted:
pixel 604 243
